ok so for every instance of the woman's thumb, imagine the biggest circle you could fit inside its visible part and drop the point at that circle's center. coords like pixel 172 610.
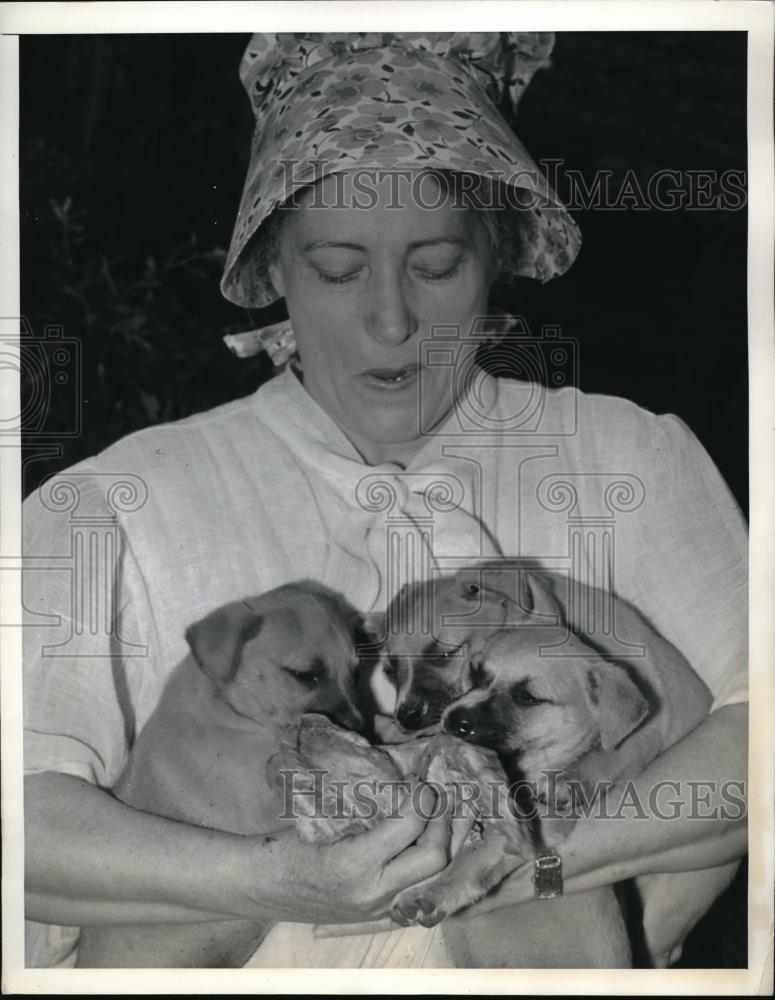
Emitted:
pixel 419 811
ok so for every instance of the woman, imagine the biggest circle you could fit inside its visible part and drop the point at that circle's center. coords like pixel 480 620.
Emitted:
pixel 381 455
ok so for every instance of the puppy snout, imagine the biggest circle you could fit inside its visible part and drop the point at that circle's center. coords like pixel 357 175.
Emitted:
pixel 414 714
pixel 460 723
pixel 347 715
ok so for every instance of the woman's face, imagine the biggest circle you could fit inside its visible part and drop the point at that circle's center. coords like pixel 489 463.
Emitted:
pixel 364 287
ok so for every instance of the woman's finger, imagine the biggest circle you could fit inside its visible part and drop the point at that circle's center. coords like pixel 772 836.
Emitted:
pixel 429 854
pixel 425 858
pixel 409 846
pixel 397 831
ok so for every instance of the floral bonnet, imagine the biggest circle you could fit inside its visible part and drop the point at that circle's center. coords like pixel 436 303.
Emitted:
pixel 328 103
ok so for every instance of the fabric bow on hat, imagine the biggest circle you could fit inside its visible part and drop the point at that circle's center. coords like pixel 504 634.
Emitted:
pixel 503 63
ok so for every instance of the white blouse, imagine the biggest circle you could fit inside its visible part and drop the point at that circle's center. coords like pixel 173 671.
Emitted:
pixel 126 549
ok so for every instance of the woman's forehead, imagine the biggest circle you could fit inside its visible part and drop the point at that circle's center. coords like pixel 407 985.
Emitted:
pixel 368 206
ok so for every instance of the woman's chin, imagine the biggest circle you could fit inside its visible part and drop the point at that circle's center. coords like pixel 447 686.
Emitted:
pixel 393 439
pixel 401 414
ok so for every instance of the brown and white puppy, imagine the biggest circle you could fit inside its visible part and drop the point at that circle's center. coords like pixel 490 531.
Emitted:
pixel 254 667
pixel 551 712
pixel 432 629
pixel 430 633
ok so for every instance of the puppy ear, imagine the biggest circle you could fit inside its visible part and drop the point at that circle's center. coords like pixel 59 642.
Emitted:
pixel 371 627
pixel 505 593
pixel 543 600
pixel 216 641
pixel 472 590
pixel 620 705
pixel 510 583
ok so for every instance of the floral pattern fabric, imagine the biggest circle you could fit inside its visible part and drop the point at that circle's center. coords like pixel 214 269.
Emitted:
pixel 327 103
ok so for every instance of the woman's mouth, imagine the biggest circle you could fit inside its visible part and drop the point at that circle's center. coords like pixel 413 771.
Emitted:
pixel 391 378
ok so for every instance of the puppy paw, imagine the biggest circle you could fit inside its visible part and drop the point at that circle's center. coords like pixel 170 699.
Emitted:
pixel 556 794
pixel 411 907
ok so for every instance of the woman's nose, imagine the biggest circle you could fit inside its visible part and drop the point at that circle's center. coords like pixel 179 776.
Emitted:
pixel 391 319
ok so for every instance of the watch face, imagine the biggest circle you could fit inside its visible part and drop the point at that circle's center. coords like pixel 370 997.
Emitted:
pixel 547 879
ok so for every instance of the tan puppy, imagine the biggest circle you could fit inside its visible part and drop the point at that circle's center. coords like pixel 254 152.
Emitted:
pixel 544 712
pixel 595 722
pixel 254 668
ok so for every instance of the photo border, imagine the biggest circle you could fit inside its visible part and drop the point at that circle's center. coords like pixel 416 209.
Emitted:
pixel 756 18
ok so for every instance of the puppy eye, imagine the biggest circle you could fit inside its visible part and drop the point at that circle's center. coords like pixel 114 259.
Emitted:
pixel 390 670
pixel 309 678
pixel 523 697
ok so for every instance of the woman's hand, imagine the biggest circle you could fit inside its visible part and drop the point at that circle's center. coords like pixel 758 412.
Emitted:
pixel 91 859
pixel 356 879
pixel 686 818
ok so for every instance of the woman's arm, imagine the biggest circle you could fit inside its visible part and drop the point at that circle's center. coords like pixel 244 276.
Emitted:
pixel 601 849
pixel 91 859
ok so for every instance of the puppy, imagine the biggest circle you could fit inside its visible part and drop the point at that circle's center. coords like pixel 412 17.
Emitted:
pixel 432 629
pixel 594 722
pixel 254 668
pixel 544 713
pixel 431 633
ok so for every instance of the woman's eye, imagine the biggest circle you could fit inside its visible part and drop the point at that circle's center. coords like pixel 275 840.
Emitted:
pixel 443 274
pixel 336 279
pixel 336 265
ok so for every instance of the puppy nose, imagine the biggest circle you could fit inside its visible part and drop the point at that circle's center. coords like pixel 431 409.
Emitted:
pixel 413 714
pixel 460 725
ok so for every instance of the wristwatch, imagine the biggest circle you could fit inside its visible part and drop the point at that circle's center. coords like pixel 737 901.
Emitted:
pixel 547 878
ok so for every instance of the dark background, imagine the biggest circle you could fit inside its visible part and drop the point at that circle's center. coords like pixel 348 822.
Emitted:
pixel 133 155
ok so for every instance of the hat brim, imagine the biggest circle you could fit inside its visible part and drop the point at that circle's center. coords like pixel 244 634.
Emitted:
pixel 371 112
